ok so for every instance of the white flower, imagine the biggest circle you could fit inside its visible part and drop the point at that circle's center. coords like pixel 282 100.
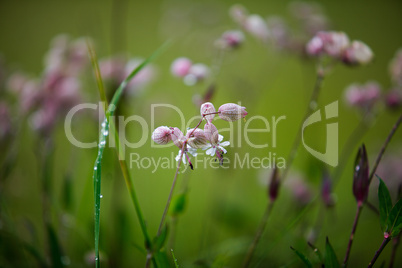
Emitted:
pixel 211 149
pixel 189 150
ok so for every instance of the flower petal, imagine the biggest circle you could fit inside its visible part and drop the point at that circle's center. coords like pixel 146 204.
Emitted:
pixel 220 138
pixel 211 151
pixel 223 149
pixel 225 143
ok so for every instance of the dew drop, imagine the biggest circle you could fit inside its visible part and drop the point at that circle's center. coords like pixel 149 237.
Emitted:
pixel 105 133
pixel 95 168
pixel 101 196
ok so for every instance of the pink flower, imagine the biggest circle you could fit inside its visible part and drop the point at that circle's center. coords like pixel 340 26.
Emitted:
pixel 230 39
pixel 331 43
pixel 181 67
pixel 393 99
pixel 217 148
pixel 208 108
pixel 162 135
pixel 177 137
pixel 257 27
pixel 358 53
pixel 363 96
pixel 197 73
pixel 231 112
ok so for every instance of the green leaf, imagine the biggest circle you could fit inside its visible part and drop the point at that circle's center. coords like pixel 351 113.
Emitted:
pixel 330 259
pixel 394 222
pixel 159 241
pixel 174 259
pixel 385 203
pixel 178 204
pixel 302 257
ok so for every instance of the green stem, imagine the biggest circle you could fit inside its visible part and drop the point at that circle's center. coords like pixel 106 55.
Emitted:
pixel 258 235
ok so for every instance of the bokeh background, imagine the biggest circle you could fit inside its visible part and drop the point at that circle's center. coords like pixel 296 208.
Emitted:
pixel 224 206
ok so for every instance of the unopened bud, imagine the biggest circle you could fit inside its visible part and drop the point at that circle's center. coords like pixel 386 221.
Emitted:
pixel 162 135
pixel 361 176
pixel 230 39
pixel 231 112
pixel 208 110
pixel 197 139
pixel 177 137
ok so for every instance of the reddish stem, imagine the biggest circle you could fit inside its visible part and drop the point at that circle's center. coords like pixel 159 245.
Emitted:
pixel 352 234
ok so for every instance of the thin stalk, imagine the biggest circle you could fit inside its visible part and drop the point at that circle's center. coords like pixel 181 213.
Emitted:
pixel 378 252
pixel 310 108
pixel 258 235
pixel 352 234
pixel 384 146
pixel 394 248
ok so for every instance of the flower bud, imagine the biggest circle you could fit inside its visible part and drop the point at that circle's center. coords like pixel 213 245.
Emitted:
pixel 177 137
pixel 257 27
pixel 315 46
pixel 326 191
pixel 211 132
pixel 395 68
pixel 363 96
pixel 208 108
pixel 231 112
pixel 162 135
pixel 198 139
pixel 274 184
pixel 332 44
pixel 358 53
pixel 361 176
pixel 393 99
pixel 181 67
pixel 230 39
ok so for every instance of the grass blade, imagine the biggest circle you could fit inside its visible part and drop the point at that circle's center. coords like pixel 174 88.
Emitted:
pixel 303 258
pixel 102 143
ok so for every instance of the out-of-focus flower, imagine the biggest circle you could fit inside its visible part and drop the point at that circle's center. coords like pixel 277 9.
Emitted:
pixel 332 44
pixel 361 176
pixel 363 96
pixel 198 72
pixel 230 39
pixel 162 135
pixel 274 184
pixel 208 110
pixel 280 33
pixel 300 191
pixel 326 191
pixel 393 99
pixel 16 82
pixel 113 69
pixel 142 78
pixel 5 122
pixel 181 67
pixel 358 53
pixel 390 171
pixel 310 16
pixel 256 26
pixel 238 13
pixel 395 68
pixel 231 112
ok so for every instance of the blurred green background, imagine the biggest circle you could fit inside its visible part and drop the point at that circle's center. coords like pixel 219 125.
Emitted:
pixel 224 205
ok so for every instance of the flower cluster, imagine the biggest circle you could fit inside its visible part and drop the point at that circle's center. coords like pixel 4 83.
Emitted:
pixel 363 96
pixel 336 45
pixel 208 139
pixel 50 96
pixel 230 40
pixel 115 69
pixel 191 73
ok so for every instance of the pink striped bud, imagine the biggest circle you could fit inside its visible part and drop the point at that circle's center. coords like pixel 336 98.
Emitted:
pixel 162 135
pixel 358 53
pixel 231 112
pixel 177 137
pixel 181 67
pixel 211 132
pixel 197 139
pixel 208 108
